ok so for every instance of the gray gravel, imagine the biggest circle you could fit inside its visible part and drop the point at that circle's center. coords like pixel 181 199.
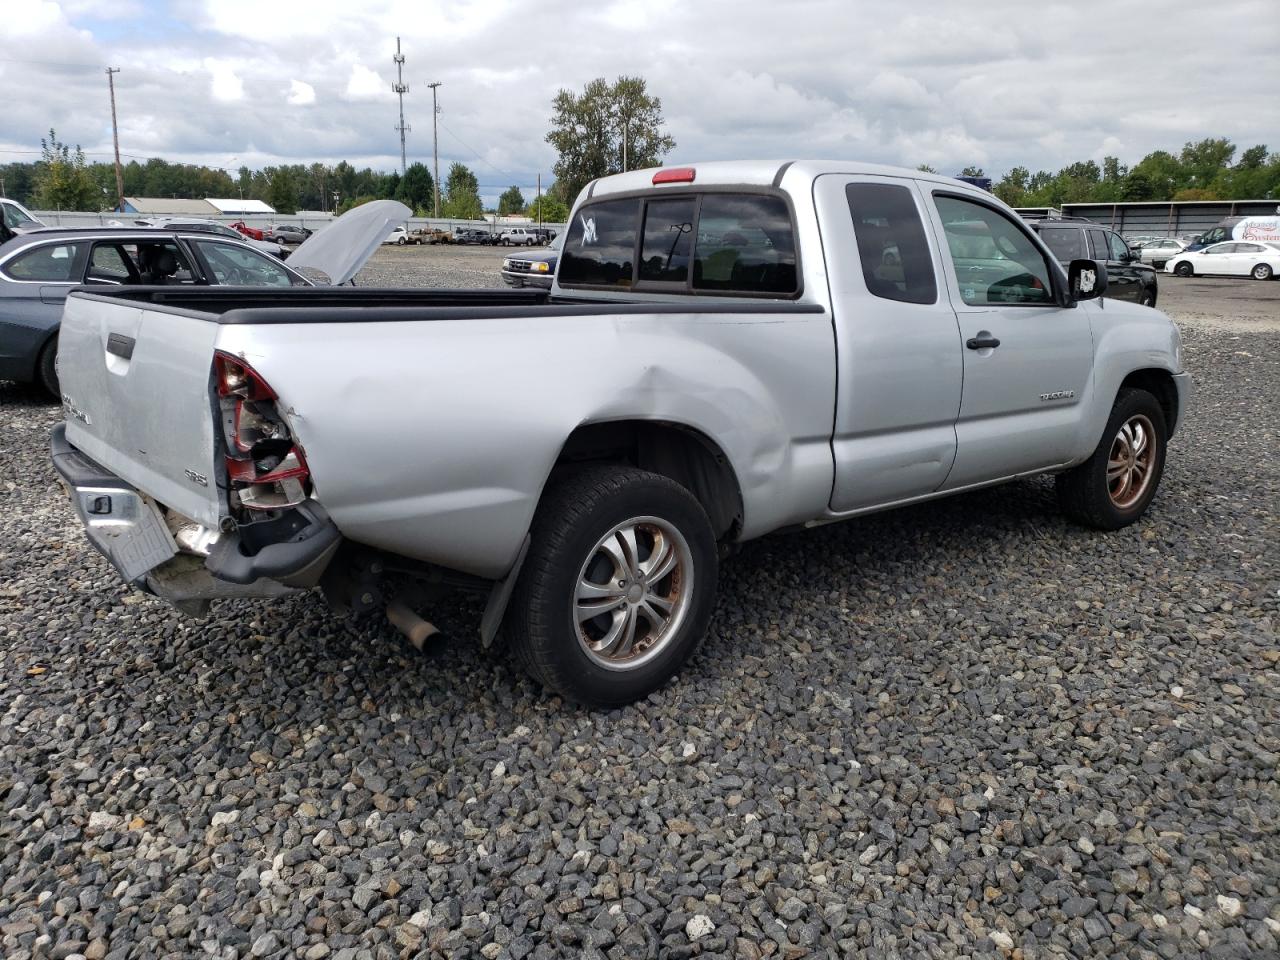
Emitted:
pixel 963 728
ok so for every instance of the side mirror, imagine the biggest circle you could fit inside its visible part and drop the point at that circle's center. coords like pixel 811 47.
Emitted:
pixel 1086 279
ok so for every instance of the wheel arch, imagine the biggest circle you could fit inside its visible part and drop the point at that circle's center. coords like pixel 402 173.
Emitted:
pixel 1159 383
pixel 674 450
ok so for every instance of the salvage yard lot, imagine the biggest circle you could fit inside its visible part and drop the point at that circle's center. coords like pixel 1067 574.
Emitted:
pixel 964 727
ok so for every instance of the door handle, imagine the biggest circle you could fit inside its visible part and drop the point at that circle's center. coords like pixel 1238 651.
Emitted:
pixel 120 345
pixel 982 341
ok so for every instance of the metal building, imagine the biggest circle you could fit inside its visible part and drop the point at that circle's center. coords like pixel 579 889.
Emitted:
pixel 1160 218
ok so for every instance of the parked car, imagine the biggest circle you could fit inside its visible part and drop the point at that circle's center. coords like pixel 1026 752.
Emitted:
pixel 16 219
pixel 532 269
pixel 469 235
pixel 196 224
pixel 432 235
pixel 38 269
pixel 1158 252
pixel 401 236
pixel 1073 238
pixel 777 348
pixel 519 237
pixel 1232 259
pixel 286 233
pixel 253 233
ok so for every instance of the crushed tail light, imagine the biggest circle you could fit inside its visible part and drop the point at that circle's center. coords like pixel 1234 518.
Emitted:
pixel 266 469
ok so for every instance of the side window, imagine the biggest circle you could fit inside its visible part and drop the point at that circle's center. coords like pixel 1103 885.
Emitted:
pixel 1098 244
pixel 240 266
pixel 162 263
pixel 995 261
pixel 600 245
pixel 668 240
pixel 1222 248
pixel 51 263
pixel 896 263
pixel 1066 243
pixel 1215 235
pixel 1248 248
pixel 745 243
pixel 108 264
pixel 1119 249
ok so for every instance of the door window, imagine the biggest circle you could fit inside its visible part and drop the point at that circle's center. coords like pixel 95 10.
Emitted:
pixel 1221 248
pixel 1098 244
pixel 51 263
pixel 108 264
pixel 1119 249
pixel 1249 248
pixel 995 261
pixel 896 263
pixel 1067 243
pixel 240 266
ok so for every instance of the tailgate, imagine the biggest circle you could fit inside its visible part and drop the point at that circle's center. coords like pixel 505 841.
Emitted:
pixel 136 390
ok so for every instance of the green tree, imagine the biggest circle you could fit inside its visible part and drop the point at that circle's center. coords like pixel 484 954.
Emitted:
pixel 972 172
pixel 925 168
pixel 415 187
pixel 511 201
pixel 1012 188
pixel 283 192
pixel 551 209
pixel 1201 162
pixel 63 181
pixel 462 194
pixel 606 129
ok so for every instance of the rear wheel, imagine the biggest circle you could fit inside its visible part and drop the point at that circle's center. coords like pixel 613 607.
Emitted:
pixel 618 586
pixel 1184 269
pixel 1261 272
pixel 1115 485
pixel 401 241
pixel 47 368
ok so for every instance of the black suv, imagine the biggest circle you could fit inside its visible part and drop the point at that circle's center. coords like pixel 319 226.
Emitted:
pixel 1075 238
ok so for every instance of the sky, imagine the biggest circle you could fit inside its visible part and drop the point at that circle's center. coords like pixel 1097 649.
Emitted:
pixel 989 83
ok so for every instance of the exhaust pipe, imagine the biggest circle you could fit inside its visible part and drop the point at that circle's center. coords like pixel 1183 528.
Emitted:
pixel 418 630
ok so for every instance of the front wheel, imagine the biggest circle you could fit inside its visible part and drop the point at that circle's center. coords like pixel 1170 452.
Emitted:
pixel 618 586
pixel 1184 269
pixel 401 241
pixel 1114 487
pixel 1261 272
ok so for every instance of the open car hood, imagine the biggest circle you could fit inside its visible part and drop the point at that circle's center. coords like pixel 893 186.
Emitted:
pixel 342 248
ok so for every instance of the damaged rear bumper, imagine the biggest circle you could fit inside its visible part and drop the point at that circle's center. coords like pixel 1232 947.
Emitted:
pixel 161 552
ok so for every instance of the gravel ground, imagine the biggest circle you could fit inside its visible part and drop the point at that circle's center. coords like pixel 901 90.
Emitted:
pixel 965 728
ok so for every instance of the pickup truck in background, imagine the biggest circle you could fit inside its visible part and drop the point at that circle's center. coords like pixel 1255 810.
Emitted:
pixel 727 350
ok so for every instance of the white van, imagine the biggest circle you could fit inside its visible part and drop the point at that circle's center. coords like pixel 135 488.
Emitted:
pixel 1241 228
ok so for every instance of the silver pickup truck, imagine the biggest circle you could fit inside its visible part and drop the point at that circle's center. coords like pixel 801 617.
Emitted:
pixel 728 350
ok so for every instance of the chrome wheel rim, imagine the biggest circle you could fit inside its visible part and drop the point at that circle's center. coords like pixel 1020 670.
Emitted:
pixel 632 593
pixel 1129 467
pixel 1261 272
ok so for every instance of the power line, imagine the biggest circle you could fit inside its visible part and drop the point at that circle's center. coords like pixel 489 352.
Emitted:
pixel 474 152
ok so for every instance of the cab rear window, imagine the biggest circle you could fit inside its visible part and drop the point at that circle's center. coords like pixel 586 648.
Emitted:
pixel 712 243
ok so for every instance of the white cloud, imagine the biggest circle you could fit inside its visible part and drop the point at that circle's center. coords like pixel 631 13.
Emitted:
pixel 225 84
pixel 301 94
pixel 365 84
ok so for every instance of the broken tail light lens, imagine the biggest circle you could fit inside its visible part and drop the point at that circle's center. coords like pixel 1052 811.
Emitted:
pixel 266 469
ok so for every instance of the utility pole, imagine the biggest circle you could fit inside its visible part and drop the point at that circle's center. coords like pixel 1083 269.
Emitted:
pixel 539 198
pixel 115 137
pixel 401 88
pixel 435 143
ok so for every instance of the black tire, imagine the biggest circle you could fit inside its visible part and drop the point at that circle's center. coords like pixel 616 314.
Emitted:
pixel 1184 269
pixel 401 241
pixel 1261 272
pixel 47 368
pixel 1149 298
pixel 578 511
pixel 1085 493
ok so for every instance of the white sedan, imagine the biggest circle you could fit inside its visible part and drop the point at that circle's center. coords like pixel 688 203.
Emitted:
pixel 1235 258
pixel 1161 251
